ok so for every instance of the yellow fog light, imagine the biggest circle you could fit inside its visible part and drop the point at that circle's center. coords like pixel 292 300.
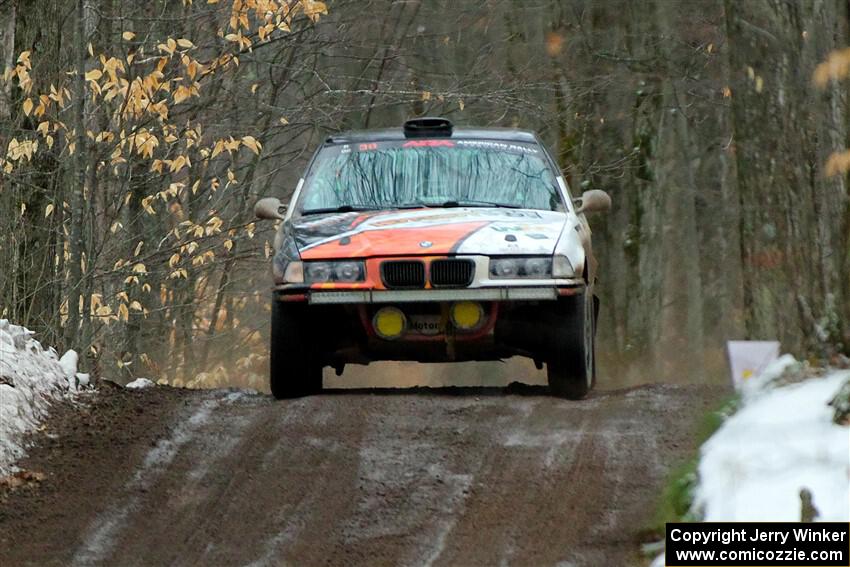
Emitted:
pixel 389 322
pixel 467 315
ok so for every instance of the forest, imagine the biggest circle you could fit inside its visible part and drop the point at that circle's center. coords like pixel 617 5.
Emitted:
pixel 136 137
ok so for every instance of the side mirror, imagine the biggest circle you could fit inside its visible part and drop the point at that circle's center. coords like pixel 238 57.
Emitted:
pixel 269 208
pixel 593 201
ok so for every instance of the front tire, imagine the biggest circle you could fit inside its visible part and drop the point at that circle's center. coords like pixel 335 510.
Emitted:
pixel 572 372
pixel 294 369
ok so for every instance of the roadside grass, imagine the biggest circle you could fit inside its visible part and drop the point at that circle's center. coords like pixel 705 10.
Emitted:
pixel 677 496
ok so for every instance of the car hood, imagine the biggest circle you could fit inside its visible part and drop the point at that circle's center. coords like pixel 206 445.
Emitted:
pixel 462 230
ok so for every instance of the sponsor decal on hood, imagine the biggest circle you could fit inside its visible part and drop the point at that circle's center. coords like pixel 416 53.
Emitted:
pixel 462 230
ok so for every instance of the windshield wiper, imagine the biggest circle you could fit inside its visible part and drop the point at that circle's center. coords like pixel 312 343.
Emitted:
pixel 454 204
pixel 341 209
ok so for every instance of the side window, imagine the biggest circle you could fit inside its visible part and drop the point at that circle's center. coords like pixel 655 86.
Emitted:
pixel 565 191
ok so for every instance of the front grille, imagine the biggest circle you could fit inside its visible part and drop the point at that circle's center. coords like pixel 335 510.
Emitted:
pixel 452 273
pixel 403 274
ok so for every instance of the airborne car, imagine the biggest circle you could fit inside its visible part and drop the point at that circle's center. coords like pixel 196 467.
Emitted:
pixel 432 243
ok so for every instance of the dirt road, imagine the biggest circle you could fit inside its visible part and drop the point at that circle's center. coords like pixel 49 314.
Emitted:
pixel 417 477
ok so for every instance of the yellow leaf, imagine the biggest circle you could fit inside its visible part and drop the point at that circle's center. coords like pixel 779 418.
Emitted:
pixel 94 75
pixel 838 162
pixel 139 247
pixel 123 312
pixel 217 149
pixel 128 35
pixel 426 95
pixel 140 269
pixel 135 306
pixel 48 210
pixel 228 244
pixel 313 9
pixel 174 260
pixel 28 104
pixel 251 143
pixel 185 43
pixel 181 94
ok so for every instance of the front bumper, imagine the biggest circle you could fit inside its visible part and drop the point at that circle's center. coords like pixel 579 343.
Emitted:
pixel 427 295
pixel 368 296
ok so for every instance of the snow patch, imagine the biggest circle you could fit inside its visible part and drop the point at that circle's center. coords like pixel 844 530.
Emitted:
pixel 140 383
pixel 779 443
pixel 782 440
pixel 30 378
pixel 758 385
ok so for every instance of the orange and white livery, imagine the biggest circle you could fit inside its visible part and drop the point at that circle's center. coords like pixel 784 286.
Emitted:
pixel 432 243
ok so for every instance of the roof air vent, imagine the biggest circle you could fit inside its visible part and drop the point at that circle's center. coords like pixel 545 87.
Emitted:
pixel 427 128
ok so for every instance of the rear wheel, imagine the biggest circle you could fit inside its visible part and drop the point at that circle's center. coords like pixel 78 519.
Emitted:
pixel 572 372
pixel 294 367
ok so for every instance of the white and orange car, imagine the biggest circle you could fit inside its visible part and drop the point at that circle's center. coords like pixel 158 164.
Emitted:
pixel 432 243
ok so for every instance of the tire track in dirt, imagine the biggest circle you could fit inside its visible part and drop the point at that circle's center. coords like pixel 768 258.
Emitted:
pixel 101 536
pixel 416 477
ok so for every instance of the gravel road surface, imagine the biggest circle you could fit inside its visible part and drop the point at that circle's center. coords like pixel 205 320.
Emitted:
pixel 458 476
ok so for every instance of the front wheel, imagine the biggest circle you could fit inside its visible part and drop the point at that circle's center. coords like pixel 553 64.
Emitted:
pixel 294 370
pixel 572 372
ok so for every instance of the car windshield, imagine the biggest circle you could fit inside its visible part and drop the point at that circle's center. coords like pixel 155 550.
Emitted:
pixel 430 173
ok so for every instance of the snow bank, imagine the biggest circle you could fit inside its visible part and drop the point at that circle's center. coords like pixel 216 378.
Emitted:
pixel 781 441
pixel 140 383
pixel 29 378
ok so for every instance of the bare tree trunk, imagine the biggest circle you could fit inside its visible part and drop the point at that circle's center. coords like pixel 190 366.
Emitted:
pixel 8 13
pixel 77 245
pixel 791 213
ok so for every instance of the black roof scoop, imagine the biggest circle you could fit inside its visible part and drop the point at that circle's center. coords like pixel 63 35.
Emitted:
pixel 428 127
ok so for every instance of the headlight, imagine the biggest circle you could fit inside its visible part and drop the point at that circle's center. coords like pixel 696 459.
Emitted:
pixel 323 272
pixel 538 267
pixel 348 272
pixel 504 268
pixel 287 272
pixel 318 272
pixel 294 273
pixel 533 267
pixel 561 267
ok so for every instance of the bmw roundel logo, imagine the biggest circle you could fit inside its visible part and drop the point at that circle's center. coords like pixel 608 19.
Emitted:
pixel 426 244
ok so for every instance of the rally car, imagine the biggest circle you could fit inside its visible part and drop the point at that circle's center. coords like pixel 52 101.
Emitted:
pixel 432 243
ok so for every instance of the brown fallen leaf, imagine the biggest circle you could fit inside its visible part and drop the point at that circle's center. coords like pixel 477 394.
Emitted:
pixel 21 478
